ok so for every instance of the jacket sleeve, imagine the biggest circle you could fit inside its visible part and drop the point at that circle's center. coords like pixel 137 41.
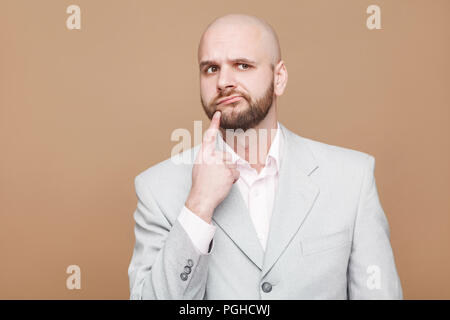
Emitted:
pixel 371 271
pixel 165 263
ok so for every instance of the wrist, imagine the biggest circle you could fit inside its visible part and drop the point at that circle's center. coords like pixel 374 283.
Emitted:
pixel 200 208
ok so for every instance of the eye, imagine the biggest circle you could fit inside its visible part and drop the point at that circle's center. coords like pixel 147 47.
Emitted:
pixel 244 65
pixel 210 68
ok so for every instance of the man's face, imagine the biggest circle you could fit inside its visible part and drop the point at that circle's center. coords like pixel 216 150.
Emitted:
pixel 233 62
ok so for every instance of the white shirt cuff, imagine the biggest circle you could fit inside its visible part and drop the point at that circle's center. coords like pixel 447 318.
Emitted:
pixel 200 232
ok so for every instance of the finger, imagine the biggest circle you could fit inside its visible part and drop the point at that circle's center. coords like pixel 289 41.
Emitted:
pixel 224 156
pixel 209 138
pixel 215 121
pixel 231 165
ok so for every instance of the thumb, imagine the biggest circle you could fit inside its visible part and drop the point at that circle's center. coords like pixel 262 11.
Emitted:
pixel 209 139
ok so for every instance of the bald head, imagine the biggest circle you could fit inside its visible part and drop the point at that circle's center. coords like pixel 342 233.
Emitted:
pixel 259 32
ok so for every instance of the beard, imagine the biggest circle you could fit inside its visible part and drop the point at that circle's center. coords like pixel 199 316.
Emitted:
pixel 247 118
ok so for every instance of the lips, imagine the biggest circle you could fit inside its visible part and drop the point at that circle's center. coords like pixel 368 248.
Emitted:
pixel 229 99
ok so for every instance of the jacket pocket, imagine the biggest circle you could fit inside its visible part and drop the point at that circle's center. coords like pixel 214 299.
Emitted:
pixel 325 242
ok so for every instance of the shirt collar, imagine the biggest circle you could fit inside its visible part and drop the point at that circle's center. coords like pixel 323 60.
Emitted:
pixel 274 151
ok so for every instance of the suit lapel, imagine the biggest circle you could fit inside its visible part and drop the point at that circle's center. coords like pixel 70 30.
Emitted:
pixel 294 198
pixel 232 216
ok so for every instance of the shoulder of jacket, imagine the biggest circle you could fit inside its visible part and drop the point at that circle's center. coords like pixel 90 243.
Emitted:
pixel 175 167
pixel 327 154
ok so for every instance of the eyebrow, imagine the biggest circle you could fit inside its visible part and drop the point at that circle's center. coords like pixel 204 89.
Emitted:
pixel 236 60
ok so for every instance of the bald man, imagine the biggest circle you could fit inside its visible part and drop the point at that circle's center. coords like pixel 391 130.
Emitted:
pixel 262 213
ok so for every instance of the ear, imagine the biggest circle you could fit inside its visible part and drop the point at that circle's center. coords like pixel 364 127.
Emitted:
pixel 280 78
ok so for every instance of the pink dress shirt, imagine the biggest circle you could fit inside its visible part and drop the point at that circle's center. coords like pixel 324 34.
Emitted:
pixel 257 190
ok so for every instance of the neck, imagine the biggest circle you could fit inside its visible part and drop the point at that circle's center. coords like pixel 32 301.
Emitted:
pixel 254 144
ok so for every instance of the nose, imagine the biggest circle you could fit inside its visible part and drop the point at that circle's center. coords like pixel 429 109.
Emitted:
pixel 226 81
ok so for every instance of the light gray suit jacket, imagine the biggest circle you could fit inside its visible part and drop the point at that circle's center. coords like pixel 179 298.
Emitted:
pixel 329 237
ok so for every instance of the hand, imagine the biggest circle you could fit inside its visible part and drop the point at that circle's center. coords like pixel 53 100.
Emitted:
pixel 213 175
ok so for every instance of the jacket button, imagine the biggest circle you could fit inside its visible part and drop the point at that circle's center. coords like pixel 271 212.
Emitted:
pixel 187 269
pixel 183 276
pixel 190 263
pixel 266 287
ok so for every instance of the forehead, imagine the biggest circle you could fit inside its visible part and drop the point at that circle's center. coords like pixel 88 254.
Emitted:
pixel 232 41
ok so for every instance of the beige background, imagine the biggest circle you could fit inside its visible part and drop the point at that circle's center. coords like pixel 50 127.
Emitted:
pixel 83 112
